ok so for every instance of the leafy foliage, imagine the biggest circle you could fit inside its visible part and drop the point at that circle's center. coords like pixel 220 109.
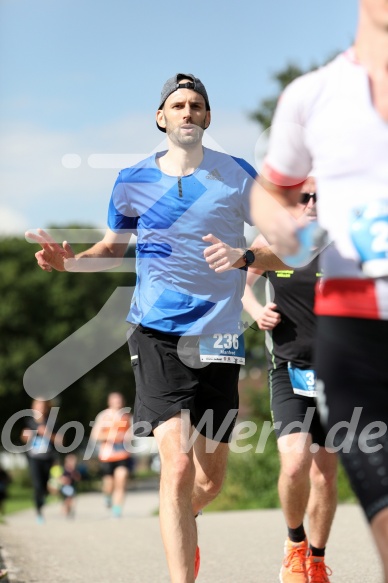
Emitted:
pixel 38 310
pixel 252 477
pixel 265 112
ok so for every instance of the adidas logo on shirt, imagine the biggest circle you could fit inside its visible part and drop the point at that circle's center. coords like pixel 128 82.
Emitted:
pixel 215 175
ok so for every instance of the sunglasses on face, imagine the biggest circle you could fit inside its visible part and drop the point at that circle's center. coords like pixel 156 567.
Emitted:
pixel 305 197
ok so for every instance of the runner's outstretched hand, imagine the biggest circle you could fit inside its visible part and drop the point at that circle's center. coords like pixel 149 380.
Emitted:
pixel 52 255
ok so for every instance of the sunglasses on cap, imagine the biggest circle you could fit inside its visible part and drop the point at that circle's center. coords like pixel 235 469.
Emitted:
pixel 305 197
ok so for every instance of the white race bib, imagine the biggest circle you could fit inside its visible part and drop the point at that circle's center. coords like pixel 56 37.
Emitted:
pixel 222 348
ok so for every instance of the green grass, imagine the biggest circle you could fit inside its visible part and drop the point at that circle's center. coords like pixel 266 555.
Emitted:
pixel 251 481
pixel 20 497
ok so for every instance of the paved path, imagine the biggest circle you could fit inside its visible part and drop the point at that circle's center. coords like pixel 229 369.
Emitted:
pixel 238 547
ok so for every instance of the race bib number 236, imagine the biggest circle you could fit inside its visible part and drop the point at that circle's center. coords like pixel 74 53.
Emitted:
pixel 222 348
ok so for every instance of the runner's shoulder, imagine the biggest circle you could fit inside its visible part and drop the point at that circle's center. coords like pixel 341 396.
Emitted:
pixel 314 85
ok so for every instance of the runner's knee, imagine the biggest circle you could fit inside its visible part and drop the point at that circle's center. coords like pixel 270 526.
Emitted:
pixel 178 472
pixel 295 467
pixel 324 475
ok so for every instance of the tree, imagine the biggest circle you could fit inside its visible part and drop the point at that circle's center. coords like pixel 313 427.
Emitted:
pixel 38 310
pixel 264 114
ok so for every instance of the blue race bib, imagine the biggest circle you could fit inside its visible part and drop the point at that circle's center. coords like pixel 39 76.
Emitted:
pixel 369 233
pixel 302 381
pixel 40 445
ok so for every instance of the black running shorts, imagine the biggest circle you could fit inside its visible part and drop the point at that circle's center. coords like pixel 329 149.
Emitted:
pixel 108 468
pixel 295 413
pixel 352 370
pixel 165 385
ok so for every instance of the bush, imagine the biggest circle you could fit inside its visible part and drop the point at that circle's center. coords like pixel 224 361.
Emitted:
pixel 251 480
pixel 252 477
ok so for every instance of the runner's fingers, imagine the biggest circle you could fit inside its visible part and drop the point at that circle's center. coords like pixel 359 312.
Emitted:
pixel 35 237
pixel 213 253
pixel 40 237
pixel 270 322
pixel 47 238
pixel 49 246
pixel 220 262
pixel 42 262
pixel 68 249
pixel 53 249
pixel 39 257
pixel 211 239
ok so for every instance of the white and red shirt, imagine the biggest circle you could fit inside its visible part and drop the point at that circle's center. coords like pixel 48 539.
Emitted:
pixel 326 125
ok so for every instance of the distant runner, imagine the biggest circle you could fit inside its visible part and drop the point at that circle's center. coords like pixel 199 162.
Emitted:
pixel 112 432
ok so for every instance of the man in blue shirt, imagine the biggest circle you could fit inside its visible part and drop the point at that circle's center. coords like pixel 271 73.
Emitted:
pixel 185 334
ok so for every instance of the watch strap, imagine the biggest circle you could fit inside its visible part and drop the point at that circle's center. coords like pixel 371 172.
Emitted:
pixel 249 258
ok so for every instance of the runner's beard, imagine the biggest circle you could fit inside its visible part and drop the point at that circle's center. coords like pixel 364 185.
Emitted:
pixel 179 138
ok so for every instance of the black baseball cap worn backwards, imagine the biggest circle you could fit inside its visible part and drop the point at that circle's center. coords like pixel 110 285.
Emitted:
pixel 173 84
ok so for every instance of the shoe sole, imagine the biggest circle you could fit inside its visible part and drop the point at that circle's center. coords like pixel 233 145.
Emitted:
pixel 197 563
pixel 281 578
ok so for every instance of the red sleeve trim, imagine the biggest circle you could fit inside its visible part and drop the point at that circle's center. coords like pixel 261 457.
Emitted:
pixel 279 179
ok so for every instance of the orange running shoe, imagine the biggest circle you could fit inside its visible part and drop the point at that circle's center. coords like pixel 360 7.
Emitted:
pixel 294 563
pixel 317 571
pixel 197 562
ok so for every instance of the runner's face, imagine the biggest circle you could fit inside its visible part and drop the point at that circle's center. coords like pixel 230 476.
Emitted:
pixel 40 406
pixel 184 116
pixel 115 401
pixel 309 209
pixel 376 11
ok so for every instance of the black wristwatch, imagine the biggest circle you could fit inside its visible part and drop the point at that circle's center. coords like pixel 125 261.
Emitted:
pixel 249 258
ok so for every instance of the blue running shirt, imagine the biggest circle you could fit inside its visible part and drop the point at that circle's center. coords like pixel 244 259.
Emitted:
pixel 176 291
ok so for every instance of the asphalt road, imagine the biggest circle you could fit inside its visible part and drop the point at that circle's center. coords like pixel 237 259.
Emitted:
pixel 238 547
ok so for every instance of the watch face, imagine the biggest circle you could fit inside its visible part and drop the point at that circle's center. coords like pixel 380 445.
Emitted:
pixel 249 257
